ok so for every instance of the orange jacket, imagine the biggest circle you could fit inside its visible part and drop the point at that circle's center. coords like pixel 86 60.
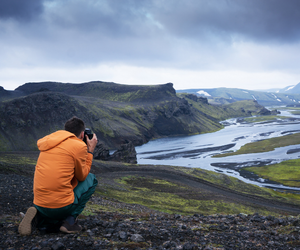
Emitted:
pixel 62 161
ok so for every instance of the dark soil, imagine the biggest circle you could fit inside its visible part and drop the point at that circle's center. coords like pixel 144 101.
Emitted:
pixel 144 228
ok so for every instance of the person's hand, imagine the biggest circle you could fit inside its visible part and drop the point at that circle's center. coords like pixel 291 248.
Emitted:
pixel 91 143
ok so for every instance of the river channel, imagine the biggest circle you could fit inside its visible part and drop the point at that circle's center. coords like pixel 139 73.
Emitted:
pixel 196 151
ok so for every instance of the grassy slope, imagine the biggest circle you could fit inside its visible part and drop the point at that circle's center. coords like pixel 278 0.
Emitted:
pixel 159 194
pixel 170 197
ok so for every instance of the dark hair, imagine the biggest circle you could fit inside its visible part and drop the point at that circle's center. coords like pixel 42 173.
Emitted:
pixel 75 125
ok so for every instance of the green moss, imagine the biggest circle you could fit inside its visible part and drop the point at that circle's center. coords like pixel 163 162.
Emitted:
pixel 93 209
pixel 16 159
pixel 4 144
pixel 236 184
pixel 295 112
pixel 265 145
pixel 169 197
pixel 264 118
pixel 286 173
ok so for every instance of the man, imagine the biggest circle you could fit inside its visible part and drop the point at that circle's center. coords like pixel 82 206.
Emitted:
pixel 62 182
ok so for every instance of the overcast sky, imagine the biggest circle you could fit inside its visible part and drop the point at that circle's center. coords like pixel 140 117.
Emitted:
pixel 251 44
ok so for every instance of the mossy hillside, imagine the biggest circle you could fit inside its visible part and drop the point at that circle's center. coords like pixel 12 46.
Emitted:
pixel 27 119
pixel 22 163
pixel 247 106
pixel 286 172
pixel 265 145
pixel 216 112
pixel 222 112
pixel 169 197
pixel 144 122
pixel 26 158
pixel 5 144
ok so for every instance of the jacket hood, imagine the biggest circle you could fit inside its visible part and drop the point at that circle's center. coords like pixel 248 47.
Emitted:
pixel 52 140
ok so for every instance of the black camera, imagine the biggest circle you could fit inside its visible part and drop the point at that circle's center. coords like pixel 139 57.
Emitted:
pixel 89 133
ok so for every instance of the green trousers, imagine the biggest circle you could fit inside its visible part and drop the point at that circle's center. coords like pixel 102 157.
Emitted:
pixel 82 193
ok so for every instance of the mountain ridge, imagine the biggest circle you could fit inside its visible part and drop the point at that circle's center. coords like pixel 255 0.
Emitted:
pixel 286 96
pixel 117 113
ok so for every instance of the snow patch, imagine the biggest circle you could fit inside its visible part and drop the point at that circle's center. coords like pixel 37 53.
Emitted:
pixel 245 92
pixel 291 87
pixel 253 97
pixel 202 92
pixel 278 100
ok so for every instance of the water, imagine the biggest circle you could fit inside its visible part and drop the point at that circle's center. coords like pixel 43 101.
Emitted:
pixel 196 151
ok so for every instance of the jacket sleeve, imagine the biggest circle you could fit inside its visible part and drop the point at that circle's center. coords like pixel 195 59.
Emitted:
pixel 83 164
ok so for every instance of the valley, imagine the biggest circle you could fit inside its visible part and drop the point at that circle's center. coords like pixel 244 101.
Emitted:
pixel 232 149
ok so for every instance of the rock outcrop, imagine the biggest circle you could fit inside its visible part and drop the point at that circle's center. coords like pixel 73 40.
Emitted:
pixel 101 152
pixel 125 153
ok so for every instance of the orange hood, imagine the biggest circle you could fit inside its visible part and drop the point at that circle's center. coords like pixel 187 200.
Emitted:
pixel 52 140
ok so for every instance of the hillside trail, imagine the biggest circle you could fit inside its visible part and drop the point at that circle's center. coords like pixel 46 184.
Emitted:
pixel 196 188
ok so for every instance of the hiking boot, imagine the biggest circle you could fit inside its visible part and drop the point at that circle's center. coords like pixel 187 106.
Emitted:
pixel 70 229
pixel 28 222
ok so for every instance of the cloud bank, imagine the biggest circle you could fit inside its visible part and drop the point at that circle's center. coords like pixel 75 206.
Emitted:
pixel 189 43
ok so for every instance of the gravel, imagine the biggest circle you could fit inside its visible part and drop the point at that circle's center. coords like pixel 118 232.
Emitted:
pixel 143 228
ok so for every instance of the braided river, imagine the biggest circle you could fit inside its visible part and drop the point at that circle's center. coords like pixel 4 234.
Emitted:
pixel 196 151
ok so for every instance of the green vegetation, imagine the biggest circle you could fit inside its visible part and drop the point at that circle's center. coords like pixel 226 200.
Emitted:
pixel 236 184
pixel 265 145
pixel 15 158
pixel 169 197
pixel 296 112
pixel 265 118
pixel 286 173
pixel 92 209
pixel 221 112
pixel 215 111
pixel 161 194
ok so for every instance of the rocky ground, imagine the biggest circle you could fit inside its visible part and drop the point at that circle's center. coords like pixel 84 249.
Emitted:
pixel 142 228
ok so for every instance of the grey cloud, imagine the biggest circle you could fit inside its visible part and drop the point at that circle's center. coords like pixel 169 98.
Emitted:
pixel 269 20
pixel 275 20
pixel 20 9
pixel 126 18
pixel 146 32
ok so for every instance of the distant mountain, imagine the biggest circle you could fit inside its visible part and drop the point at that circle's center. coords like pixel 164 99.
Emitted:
pixel 287 96
pixel 293 89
